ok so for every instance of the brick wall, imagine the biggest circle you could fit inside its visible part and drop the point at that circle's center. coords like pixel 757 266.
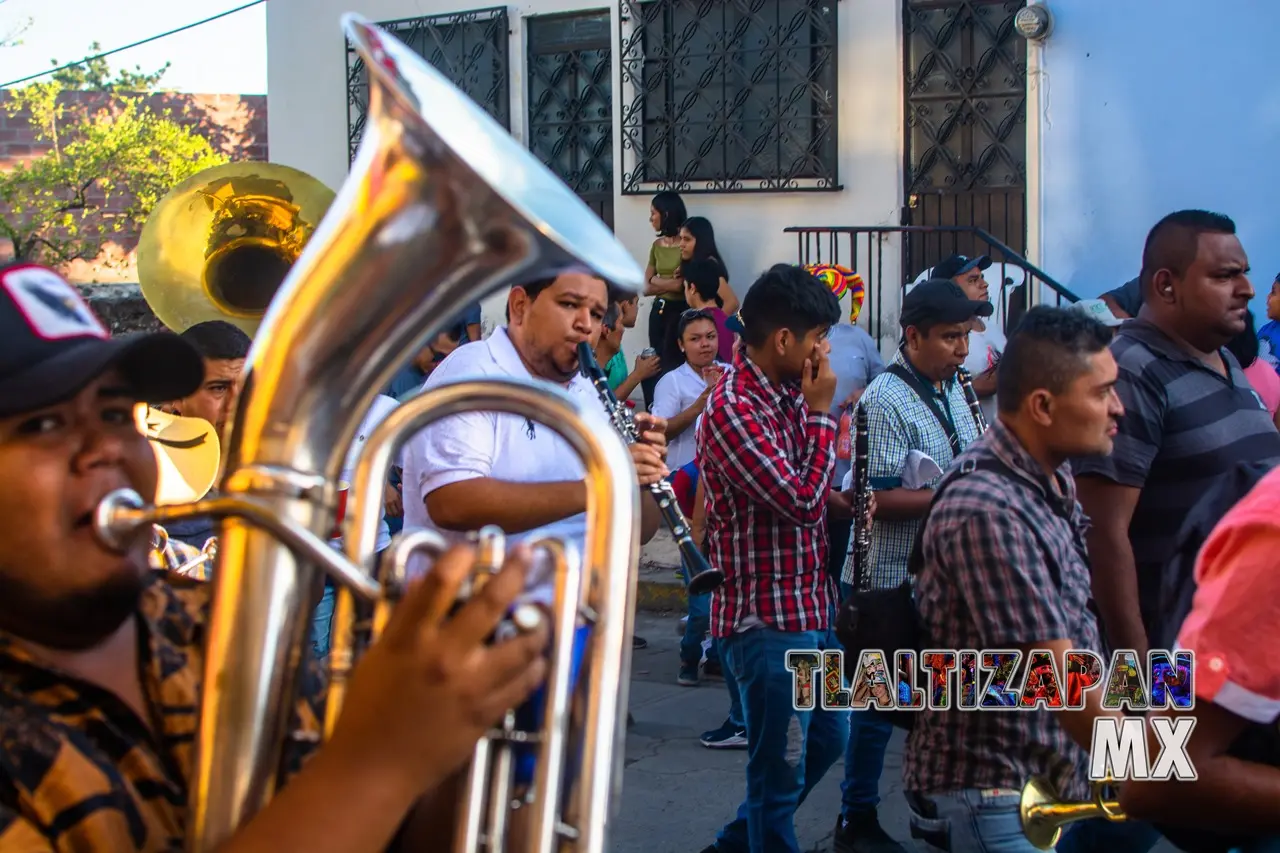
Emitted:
pixel 234 124
pixel 121 308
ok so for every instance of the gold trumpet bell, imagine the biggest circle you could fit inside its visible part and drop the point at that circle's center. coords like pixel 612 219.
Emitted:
pixel 218 245
pixel 1043 816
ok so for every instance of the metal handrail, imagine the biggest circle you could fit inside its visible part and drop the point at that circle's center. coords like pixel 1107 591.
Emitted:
pixel 1011 256
pixel 872 266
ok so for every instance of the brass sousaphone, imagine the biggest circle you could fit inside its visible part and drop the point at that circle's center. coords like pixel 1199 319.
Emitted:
pixel 442 207
pixel 219 244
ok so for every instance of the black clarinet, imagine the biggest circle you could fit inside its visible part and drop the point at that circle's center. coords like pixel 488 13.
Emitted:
pixel 702 578
pixel 861 501
pixel 971 397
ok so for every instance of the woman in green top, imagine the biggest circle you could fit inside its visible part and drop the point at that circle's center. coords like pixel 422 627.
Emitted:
pixel 664 282
pixel 697 243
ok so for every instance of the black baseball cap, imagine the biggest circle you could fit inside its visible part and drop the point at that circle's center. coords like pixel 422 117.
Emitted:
pixel 941 300
pixel 959 265
pixel 52 345
pixel 735 324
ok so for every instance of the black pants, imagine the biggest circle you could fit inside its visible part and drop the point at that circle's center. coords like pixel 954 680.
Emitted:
pixel 664 319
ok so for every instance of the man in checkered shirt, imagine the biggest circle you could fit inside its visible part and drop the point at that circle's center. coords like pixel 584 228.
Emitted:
pixel 1004 566
pixel 767 449
pixel 914 407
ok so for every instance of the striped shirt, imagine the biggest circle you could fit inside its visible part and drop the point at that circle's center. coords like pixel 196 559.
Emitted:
pixel 898 422
pixel 1184 426
pixel 80 772
pixel 767 461
pixel 1003 567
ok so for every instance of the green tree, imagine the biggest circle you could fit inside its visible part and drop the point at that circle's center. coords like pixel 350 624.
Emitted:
pixel 106 168
pixel 11 33
pixel 94 74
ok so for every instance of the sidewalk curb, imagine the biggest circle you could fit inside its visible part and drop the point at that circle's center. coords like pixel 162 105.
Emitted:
pixel 660 597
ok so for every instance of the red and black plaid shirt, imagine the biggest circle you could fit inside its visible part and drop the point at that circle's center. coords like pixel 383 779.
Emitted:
pixel 767 462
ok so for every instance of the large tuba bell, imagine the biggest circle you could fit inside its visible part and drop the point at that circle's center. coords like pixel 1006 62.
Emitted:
pixel 1044 816
pixel 442 207
pixel 219 244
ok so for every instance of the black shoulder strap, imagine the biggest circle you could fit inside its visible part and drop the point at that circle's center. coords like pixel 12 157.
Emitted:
pixel 968 466
pixel 916 560
pixel 926 397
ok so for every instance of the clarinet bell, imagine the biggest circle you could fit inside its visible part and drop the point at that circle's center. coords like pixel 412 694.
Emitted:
pixel 705 581
pixel 702 578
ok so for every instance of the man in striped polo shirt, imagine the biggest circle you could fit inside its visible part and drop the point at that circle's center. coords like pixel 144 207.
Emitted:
pixel 1190 414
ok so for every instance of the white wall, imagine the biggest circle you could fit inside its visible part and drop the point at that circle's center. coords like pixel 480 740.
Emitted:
pixel 308 127
pixel 1151 106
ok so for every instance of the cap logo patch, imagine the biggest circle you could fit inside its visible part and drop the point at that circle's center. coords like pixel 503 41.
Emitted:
pixel 52 308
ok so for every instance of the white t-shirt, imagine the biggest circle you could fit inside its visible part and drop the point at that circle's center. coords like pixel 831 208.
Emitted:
pixel 382 406
pixel 985 348
pixel 487 444
pixel 675 392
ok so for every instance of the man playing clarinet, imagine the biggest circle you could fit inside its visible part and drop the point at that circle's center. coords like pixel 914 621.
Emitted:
pixel 478 468
pixel 915 408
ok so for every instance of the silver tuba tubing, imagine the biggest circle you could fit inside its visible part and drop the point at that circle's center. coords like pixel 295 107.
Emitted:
pixel 436 213
pixel 601 590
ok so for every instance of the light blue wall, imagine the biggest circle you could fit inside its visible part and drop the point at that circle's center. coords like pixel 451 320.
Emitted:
pixel 1152 106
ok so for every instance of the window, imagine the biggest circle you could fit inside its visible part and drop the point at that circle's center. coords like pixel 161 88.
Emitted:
pixel 570 126
pixel 470 48
pixel 729 95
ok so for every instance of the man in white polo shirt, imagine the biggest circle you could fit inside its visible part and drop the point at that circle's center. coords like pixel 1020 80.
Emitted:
pixel 479 468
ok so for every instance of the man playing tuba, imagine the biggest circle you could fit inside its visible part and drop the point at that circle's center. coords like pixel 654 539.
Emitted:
pixel 101 658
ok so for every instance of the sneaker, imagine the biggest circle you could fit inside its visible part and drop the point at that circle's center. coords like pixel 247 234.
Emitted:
pixel 862 833
pixel 688 676
pixel 713 669
pixel 639 643
pixel 728 736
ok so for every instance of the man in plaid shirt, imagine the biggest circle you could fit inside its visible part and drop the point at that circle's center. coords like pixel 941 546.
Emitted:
pixel 1004 567
pixel 767 447
pixel 915 407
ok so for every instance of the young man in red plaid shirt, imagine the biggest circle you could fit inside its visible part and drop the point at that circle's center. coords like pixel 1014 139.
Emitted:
pixel 767 449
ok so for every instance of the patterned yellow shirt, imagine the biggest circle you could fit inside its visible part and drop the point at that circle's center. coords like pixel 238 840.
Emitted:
pixel 79 771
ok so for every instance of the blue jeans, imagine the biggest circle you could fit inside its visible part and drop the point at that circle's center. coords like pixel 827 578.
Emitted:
pixel 869 735
pixel 788 751
pixel 1103 836
pixel 322 624
pixel 695 629
pixel 691 648
pixel 1263 845
pixel 987 821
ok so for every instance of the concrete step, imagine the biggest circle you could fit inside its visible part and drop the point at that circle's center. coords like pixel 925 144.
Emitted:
pixel 658 589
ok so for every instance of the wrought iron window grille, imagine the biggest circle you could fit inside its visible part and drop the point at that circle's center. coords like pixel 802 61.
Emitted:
pixel 729 96
pixel 570 102
pixel 470 48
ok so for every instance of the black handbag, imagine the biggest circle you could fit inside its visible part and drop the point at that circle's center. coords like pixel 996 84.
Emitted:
pixel 887 619
pixel 883 619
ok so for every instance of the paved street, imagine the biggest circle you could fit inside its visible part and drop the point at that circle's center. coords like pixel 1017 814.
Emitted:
pixel 676 793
